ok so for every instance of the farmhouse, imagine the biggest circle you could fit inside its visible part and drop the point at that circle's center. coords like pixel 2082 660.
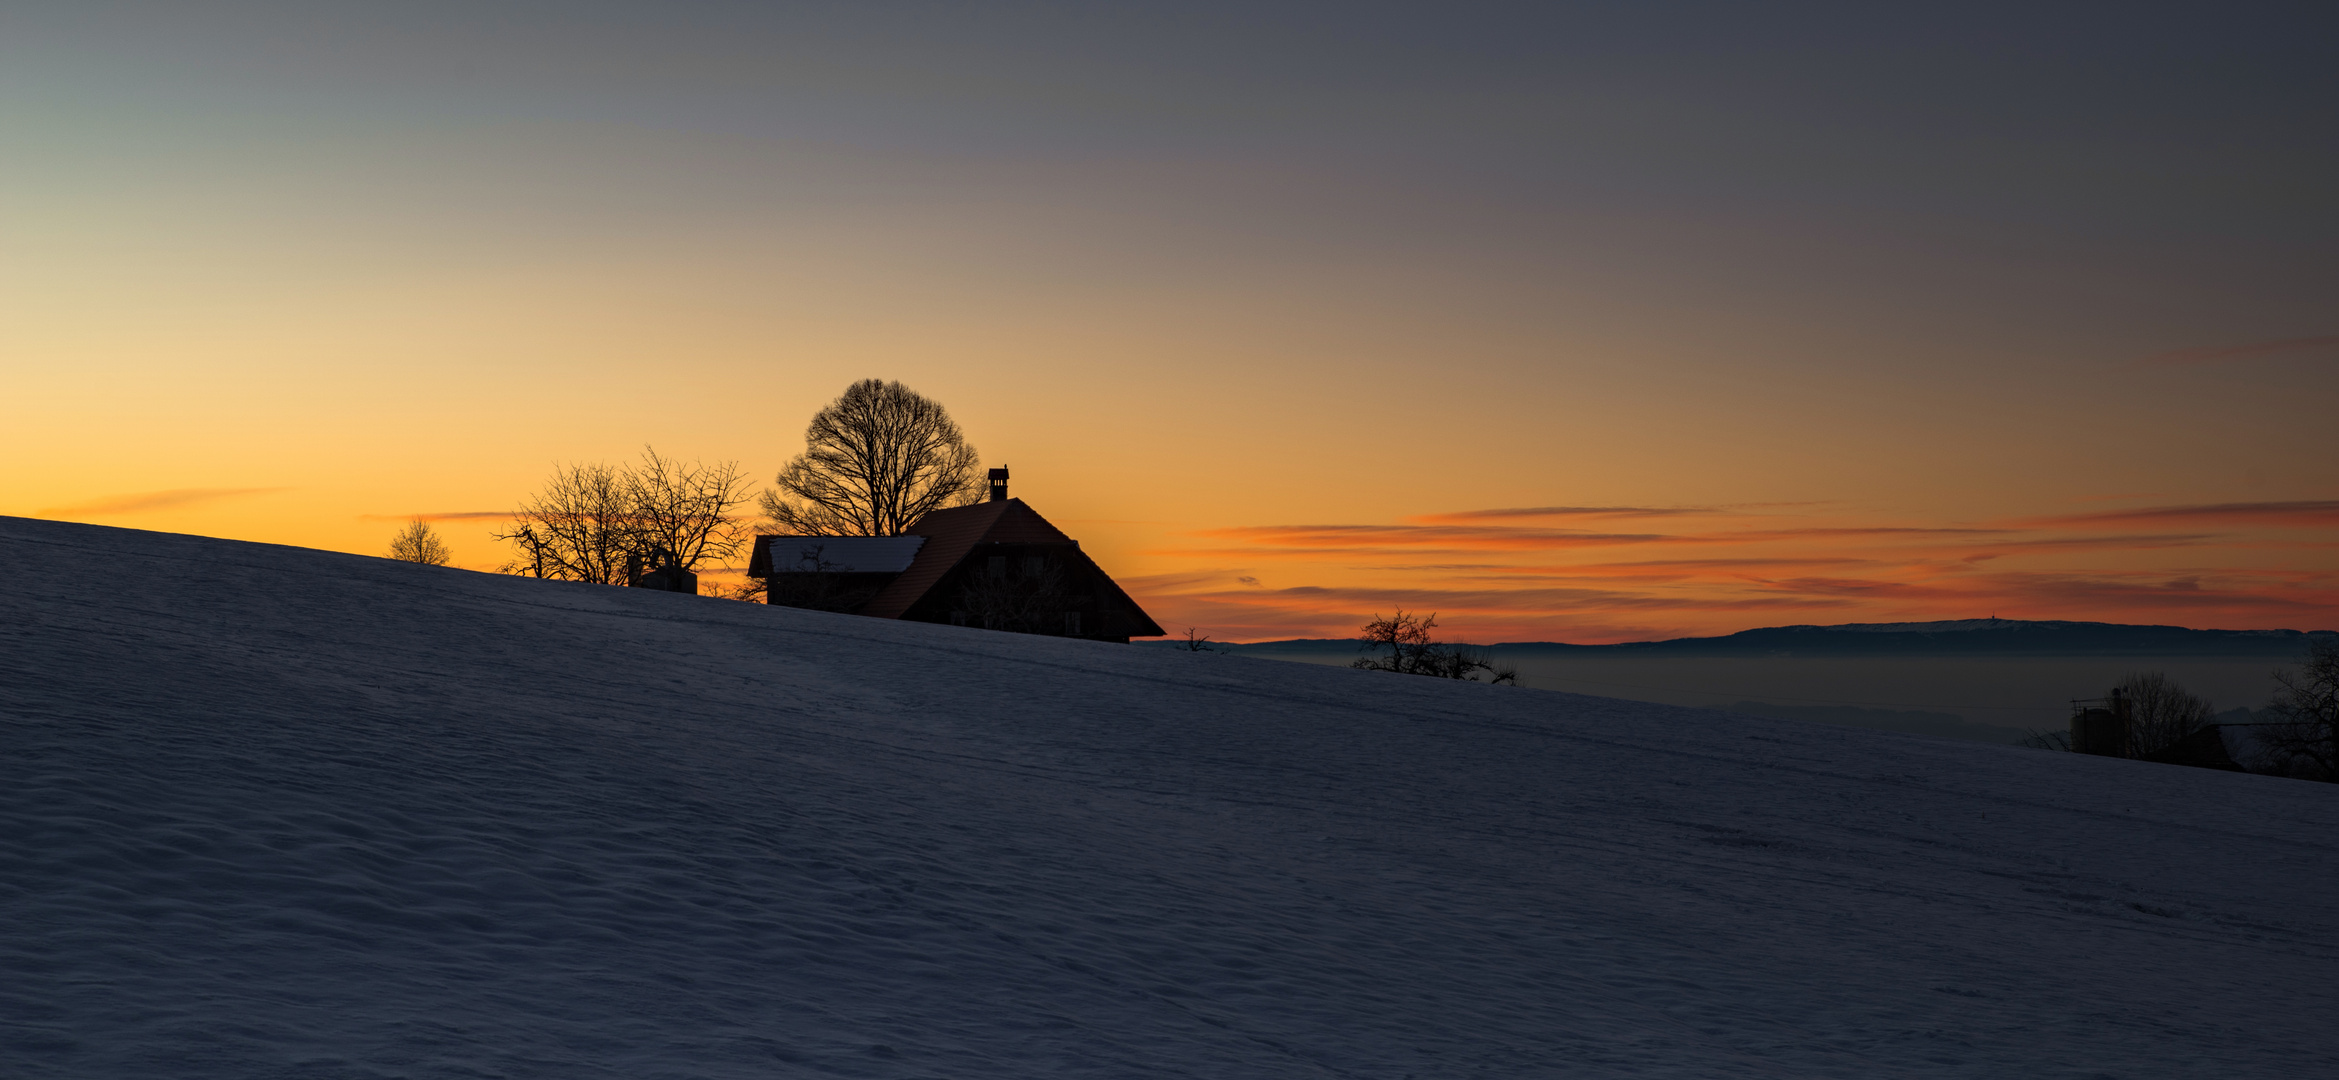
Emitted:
pixel 996 564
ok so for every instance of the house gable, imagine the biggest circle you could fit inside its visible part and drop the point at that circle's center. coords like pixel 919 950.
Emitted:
pixel 962 542
pixel 950 534
pixel 981 555
pixel 1045 587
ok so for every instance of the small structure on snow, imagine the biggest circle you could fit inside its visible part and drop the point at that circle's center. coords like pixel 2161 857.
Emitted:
pixel 659 569
pixel 2100 725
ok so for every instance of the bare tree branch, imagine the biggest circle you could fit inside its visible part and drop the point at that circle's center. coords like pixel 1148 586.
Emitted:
pixel 2305 741
pixel 579 528
pixel 590 520
pixel 875 460
pixel 419 543
pixel 1412 651
pixel 2161 713
pixel 686 508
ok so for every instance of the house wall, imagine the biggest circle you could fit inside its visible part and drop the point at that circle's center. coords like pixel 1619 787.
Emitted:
pixel 824 592
pixel 1028 588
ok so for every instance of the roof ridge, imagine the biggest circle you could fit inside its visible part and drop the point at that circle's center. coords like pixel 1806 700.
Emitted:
pixel 950 533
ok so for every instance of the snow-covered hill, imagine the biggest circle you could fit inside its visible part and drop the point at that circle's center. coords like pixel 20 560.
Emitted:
pixel 268 812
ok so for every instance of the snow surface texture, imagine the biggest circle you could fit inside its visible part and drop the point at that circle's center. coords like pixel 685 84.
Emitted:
pixel 270 812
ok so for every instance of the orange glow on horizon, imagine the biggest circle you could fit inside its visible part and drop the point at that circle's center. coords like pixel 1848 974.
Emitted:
pixel 1499 582
pixel 1767 568
pixel 1560 340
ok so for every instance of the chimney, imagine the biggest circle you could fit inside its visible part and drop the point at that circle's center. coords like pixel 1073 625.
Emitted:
pixel 999 484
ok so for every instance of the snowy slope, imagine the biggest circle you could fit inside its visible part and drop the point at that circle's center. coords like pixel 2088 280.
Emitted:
pixel 268 812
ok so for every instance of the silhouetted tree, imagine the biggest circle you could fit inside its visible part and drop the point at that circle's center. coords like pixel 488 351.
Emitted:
pixel 1402 643
pixel 1404 637
pixel 686 508
pixel 876 459
pixel 419 543
pixel 2304 739
pixel 2164 723
pixel 591 521
pixel 2161 714
pixel 579 528
pixel 1195 643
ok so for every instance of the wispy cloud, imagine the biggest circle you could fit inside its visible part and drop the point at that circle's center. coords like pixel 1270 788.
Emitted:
pixel 1304 541
pixel 450 515
pixel 147 502
pixel 1677 571
pixel 2002 548
pixel 2296 514
pixel 2148 594
pixel 1177 582
pixel 1679 565
pixel 1368 538
pixel 2225 354
pixel 1855 532
pixel 1503 575
pixel 1338 599
pixel 1514 513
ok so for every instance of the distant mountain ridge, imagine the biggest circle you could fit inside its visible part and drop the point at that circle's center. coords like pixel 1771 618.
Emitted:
pixel 1957 637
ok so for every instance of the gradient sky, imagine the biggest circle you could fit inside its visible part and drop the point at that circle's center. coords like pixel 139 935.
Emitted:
pixel 1577 323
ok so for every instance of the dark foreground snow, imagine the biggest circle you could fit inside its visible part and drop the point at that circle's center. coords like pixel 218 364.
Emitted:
pixel 267 812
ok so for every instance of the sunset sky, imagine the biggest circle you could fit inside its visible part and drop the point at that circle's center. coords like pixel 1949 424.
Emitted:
pixel 1580 323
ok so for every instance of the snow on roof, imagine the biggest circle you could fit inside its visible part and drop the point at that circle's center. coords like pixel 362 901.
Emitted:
pixel 841 554
pixel 287 812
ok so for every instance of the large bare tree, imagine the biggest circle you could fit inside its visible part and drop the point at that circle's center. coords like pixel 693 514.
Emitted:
pixel 579 528
pixel 591 520
pixel 685 508
pixel 876 459
pixel 2304 739
pixel 2161 713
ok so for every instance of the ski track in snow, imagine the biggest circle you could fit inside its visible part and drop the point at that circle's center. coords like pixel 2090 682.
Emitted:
pixel 272 812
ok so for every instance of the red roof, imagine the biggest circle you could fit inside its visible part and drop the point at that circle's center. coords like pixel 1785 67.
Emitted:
pixel 950 534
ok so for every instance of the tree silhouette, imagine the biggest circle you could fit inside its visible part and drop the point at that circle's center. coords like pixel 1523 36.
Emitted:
pixel 2161 713
pixel 2305 741
pixel 590 522
pixel 875 459
pixel 578 528
pixel 1402 643
pixel 685 508
pixel 419 543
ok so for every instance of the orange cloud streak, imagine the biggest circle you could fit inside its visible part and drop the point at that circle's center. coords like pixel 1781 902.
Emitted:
pixel 1539 585
pixel 454 515
pixel 146 502
pixel 2297 515
pixel 1464 516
